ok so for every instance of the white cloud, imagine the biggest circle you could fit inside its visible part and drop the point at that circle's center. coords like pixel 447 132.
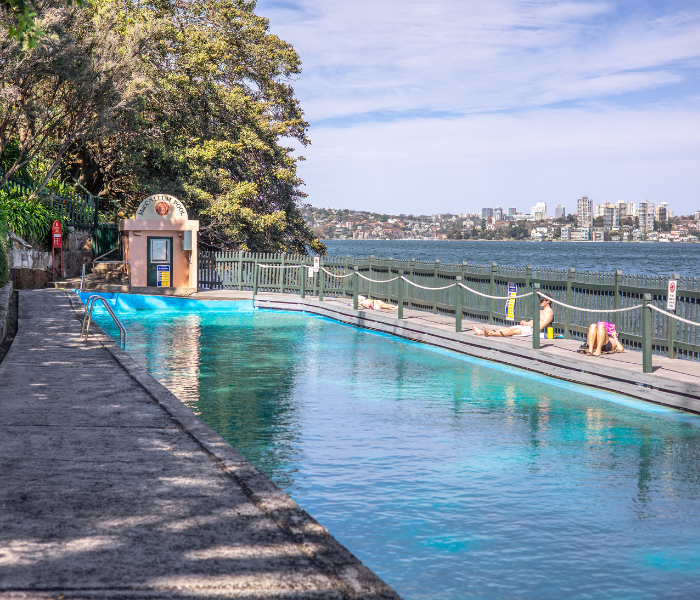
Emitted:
pixel 555 155
pixel 541 99
pixel 400 55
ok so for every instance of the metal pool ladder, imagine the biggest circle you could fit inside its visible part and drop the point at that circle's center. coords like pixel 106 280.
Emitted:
pixel 87 318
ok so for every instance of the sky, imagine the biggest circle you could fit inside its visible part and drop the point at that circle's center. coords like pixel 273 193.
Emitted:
pixel 450 106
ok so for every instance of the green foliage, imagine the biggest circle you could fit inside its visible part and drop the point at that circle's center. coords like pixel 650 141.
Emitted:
pixel 211 129
pixel 22 22
pixel 29 219
pixel 4 266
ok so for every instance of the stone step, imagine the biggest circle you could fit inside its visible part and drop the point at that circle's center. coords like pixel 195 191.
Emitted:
pixel 102 267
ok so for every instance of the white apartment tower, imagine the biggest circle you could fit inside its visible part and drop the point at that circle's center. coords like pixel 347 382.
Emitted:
pixel 539 211
pixel 560 211
pixel 585 212
pixel 646 214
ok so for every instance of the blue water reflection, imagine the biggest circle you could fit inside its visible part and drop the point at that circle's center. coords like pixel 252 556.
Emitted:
pixel 448 477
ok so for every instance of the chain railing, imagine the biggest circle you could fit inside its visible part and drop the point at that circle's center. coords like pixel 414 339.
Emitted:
pixel 481 293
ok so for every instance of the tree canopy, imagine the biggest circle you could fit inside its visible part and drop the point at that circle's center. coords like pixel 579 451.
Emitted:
pixel 188 97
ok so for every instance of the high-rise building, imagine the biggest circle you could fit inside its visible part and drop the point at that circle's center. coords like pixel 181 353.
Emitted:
pixel 560 211
pixel 646 215
pixel 512 211
pixel 486 213
pixel 662 212
pixel 585 212
pixel 611 216
pixel 539 211
pixel 498 214
pixel 622 211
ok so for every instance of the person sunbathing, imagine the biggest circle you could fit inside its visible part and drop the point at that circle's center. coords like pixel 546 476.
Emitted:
pixel 365 302
pixel 602 337
pixel 525 327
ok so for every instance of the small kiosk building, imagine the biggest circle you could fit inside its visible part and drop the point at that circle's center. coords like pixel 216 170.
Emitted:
pixel 160 245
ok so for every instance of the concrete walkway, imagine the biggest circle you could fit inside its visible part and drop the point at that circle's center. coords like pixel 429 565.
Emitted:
pixel 112 488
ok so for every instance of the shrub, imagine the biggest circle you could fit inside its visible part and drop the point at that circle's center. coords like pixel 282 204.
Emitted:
pixel 4 267
pixel 29 219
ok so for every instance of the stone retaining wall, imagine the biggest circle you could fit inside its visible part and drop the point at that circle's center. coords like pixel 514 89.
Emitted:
pixel 26 262
pixel 5 293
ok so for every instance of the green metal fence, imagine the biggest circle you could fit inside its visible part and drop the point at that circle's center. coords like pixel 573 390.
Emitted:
pixel 105 240
pixel 582 289
pixel 79 210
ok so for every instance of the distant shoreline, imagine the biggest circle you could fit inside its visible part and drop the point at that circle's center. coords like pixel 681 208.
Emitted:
pixel 506 241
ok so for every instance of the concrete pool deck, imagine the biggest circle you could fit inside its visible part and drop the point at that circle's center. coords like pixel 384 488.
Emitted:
pixel 674 382
pixel 110 487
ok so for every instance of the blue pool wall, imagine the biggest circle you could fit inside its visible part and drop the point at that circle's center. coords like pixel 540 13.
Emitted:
pixel 144 302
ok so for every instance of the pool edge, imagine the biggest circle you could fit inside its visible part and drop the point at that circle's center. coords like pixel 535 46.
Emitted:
pixel 355 580
pixel 649 388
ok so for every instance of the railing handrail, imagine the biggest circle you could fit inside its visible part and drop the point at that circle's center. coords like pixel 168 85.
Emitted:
pixel 87 319
pixel 579 297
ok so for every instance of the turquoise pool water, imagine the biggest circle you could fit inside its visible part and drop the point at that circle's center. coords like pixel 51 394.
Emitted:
pixel 450 477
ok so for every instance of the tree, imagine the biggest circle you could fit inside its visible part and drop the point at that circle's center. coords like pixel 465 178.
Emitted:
pixel 211 130
pixel 65 92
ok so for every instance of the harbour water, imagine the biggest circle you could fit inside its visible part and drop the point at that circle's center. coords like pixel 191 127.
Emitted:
pixel 630 257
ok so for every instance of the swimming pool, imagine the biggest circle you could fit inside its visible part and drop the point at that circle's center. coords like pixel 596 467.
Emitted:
pixel 450 477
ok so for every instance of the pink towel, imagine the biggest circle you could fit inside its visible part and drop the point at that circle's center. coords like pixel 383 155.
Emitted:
pixel 609 327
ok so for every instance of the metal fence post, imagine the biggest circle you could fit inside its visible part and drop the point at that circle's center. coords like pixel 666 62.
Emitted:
pixel 255 278
pixel 240 270
pixel 528 288
pixel 646 333
pixel 458 304
pixel 355 286
pixel 617 299
pixel 345 280
pixel 492 301
pixel 369 283
pixel 569 299
pixel 535 316
pixel 281 270
pixel 321 281
pixel 435 284
pixel 390 286
pixel 399 295
pixel 410 287
pixel 304 273
pixel 672 323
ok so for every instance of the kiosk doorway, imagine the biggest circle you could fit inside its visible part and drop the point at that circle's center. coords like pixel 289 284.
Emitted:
pixel 160 262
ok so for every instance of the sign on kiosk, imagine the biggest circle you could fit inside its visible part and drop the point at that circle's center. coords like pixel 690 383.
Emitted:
pixel 163 275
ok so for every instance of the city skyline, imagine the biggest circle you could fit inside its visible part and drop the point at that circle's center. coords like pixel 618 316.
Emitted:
pixel 464 104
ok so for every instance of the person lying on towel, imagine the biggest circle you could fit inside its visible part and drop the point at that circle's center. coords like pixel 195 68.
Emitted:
pixel 525 327
pixel 364 302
